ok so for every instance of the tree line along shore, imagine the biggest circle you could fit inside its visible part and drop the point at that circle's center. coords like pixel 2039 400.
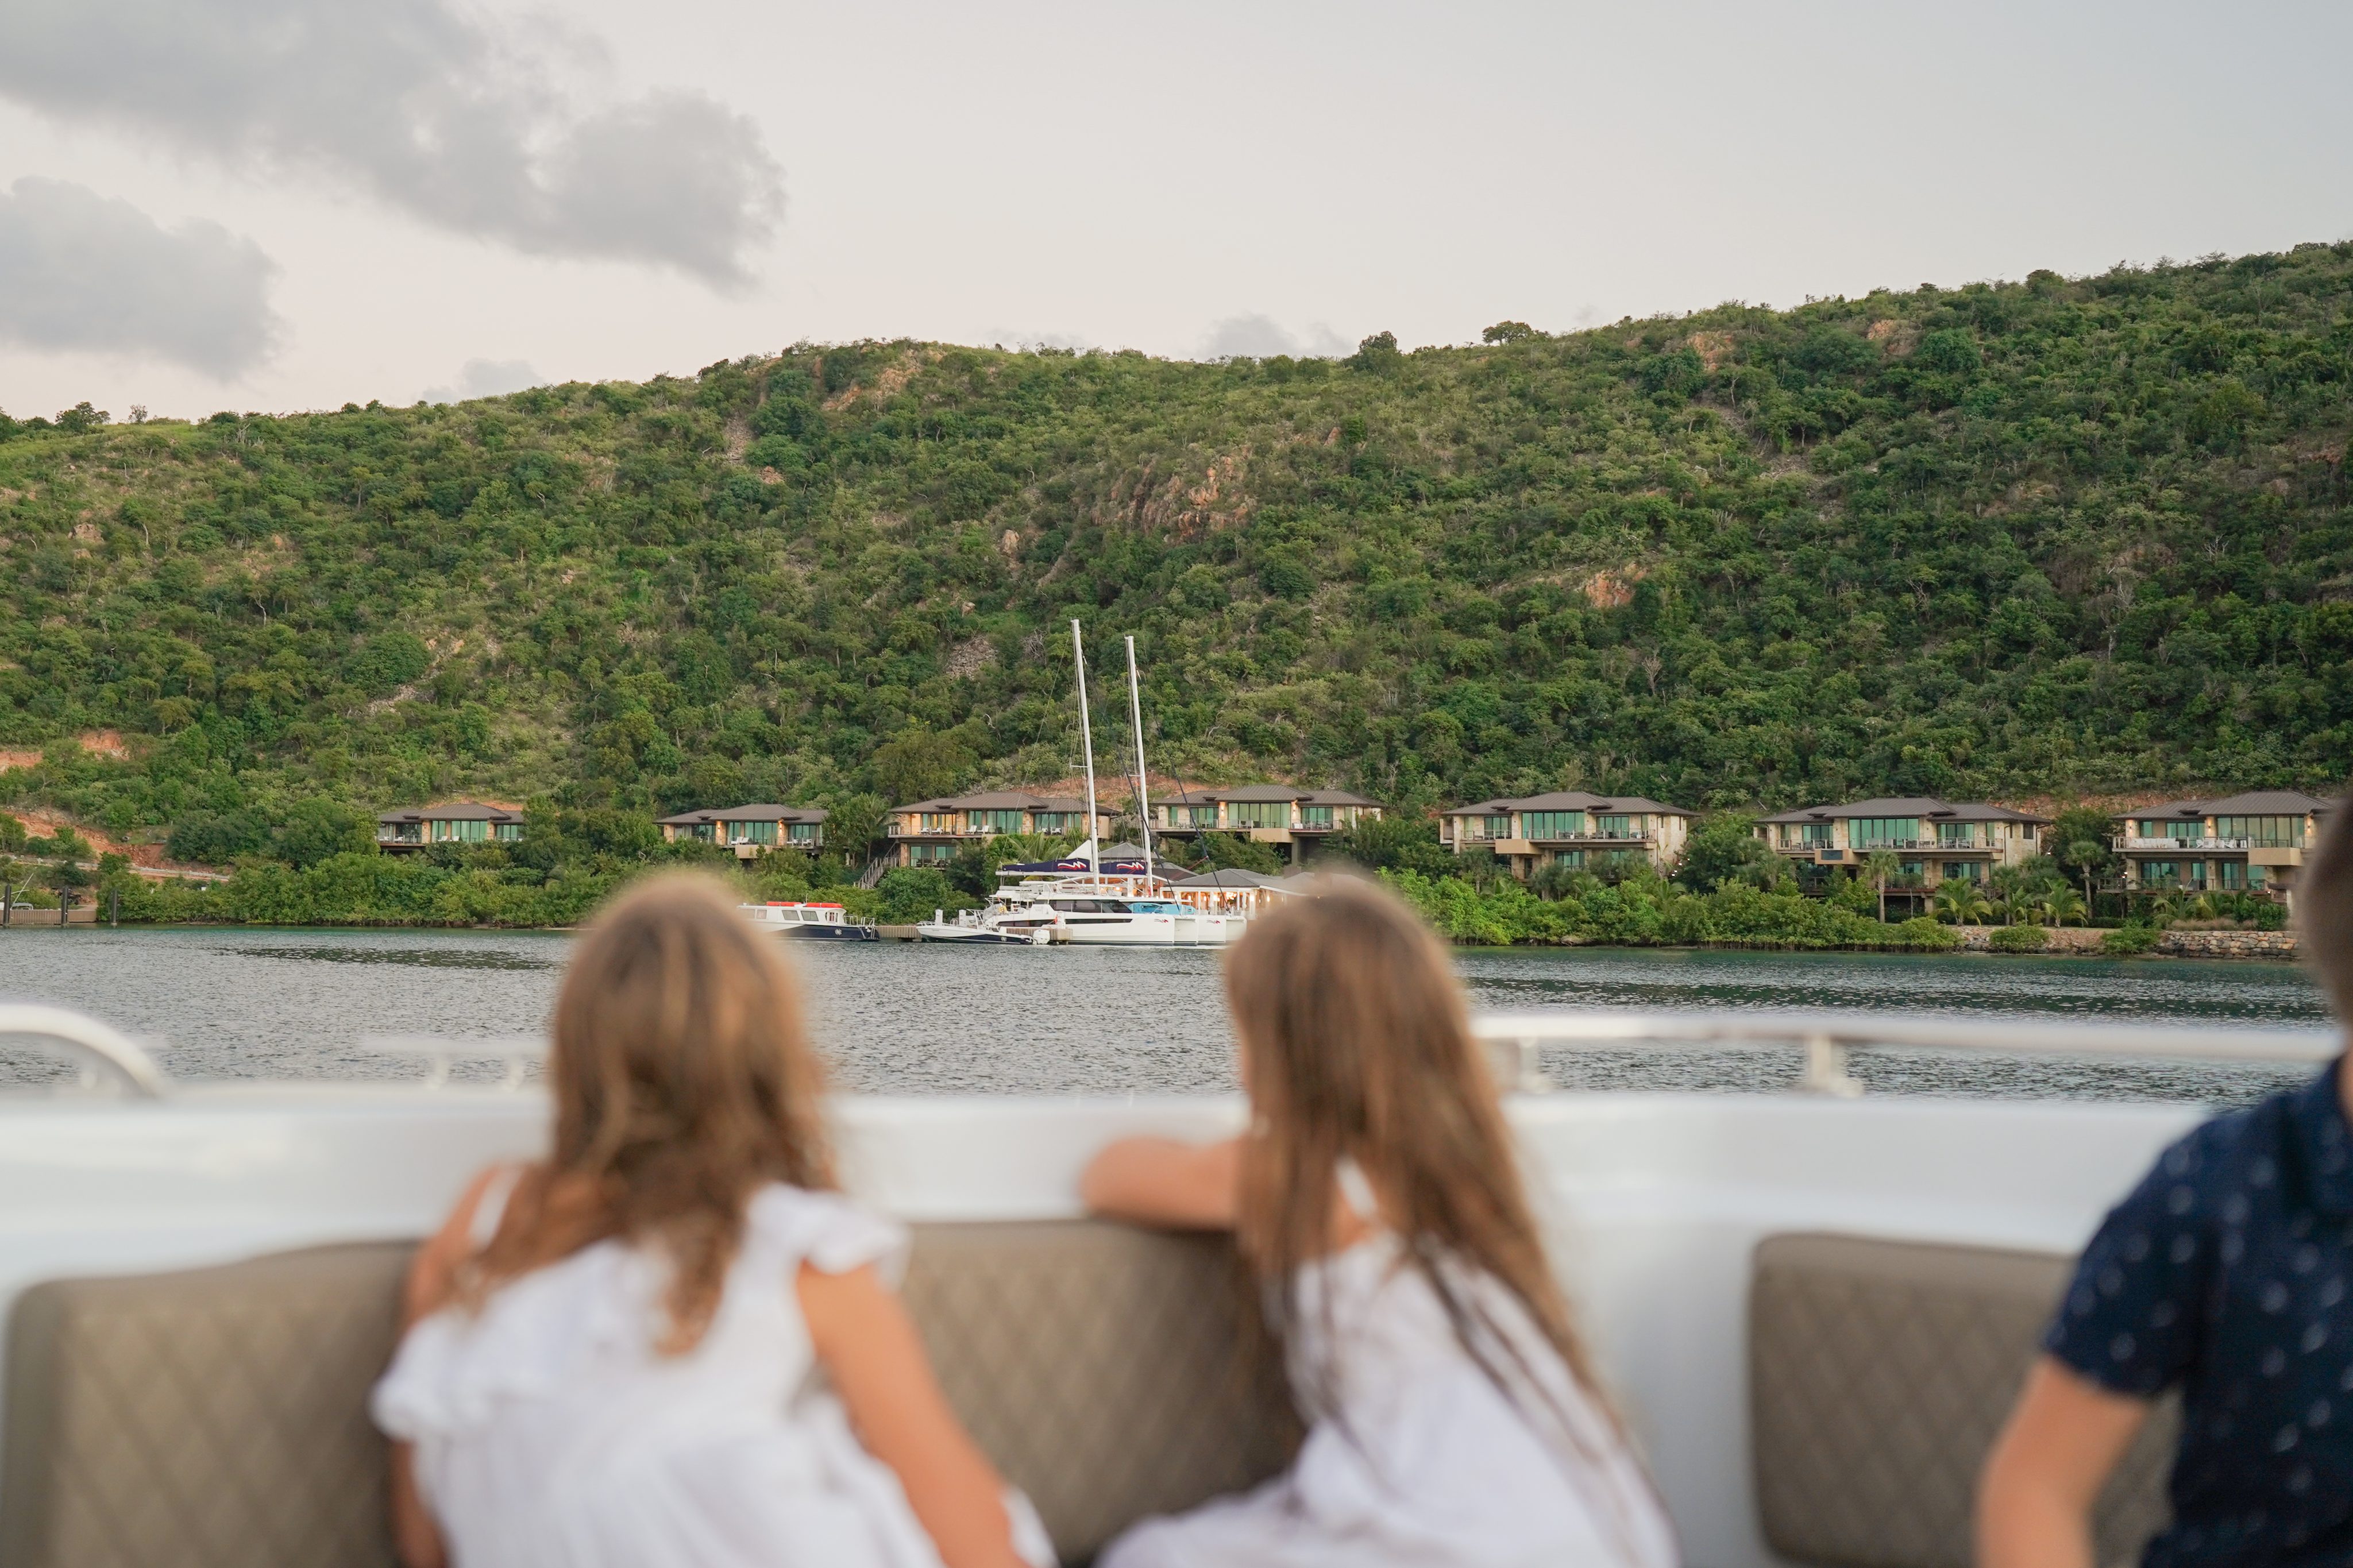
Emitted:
pixel 1728 888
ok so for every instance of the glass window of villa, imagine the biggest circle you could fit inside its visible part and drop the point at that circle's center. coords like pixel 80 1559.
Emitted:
pixel 1554 824
pixel 995 821
pixel 755 833
pixel 1057 821
pixel 1314 816
pixel 2232 874
pixel 939 822
pixel 1910 868
pixel 1260 812
pixel 2256 876
pixel 1878 832
pixel 1572 858
pixel 474 832
pixel 1499 827
pixel 510 831
pixel 2263 832
pixel 802 832
pixel 1614 826
pixel 1957 834
pixel 1964 870
pixel 1812 832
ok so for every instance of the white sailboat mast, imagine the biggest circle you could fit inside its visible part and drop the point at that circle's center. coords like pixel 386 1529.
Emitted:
pixel 1087 741
pixel 1143 795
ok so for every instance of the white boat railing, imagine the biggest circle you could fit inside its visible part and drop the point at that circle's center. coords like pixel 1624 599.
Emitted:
pixel 441 1053
pixel 1826 1038
pixel 98 1048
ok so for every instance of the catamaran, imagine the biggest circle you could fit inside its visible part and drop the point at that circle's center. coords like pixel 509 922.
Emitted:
pixel 1092 896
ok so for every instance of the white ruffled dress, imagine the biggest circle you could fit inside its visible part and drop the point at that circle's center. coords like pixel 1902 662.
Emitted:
pixel 1420 1459
pixel 551 1432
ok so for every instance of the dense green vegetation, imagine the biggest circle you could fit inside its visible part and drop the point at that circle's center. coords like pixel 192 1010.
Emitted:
pixel 2049 537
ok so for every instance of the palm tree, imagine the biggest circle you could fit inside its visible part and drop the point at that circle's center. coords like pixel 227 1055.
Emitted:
pixel 2060 905
pixel 1882 865
pixel 1959 902
pixel 2087 856
pixel 2008 884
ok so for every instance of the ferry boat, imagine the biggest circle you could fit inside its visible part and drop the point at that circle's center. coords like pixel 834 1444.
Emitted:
pixel 809 923
pixel 1814 1306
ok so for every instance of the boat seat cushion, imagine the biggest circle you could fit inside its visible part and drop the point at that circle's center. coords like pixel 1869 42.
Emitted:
pixel 1879 1374
pixel 217 1417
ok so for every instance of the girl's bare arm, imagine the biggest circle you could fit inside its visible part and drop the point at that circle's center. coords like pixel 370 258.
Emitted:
pixel 876 1359
pixel 432 1274
pixel 2035 1499
pixel 1163 1182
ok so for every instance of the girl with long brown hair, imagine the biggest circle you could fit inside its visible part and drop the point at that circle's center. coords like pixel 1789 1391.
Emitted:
pixel 670 1344
pixel 1453 1413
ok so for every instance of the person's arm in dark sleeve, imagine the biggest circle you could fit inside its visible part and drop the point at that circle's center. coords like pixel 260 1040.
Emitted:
pixel 2128 1328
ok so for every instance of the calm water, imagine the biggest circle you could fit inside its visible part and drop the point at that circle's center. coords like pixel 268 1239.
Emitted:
pixel 917 1019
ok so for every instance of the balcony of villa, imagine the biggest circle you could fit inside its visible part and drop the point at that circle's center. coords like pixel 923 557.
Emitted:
pixel 2134 844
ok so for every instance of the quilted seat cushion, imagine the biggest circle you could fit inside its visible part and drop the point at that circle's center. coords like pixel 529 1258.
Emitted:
pixel 1879 1374
pixel 217 1417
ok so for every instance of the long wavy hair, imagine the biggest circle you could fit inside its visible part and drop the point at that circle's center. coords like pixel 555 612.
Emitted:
pixel 1357 1047
pixel 684 1082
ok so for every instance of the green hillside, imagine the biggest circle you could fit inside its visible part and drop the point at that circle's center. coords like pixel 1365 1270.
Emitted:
pixel 2055 536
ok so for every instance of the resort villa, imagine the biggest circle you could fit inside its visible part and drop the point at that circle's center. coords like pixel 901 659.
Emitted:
pixel 1567 828
pixel 1933 840
pixel 461 822
pixel 931 831
pixel 1269 814
pixel 2252 843
pixel 749 830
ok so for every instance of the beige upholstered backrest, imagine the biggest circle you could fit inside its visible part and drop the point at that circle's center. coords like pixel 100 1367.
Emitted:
pixel 1879 1373
pixel 213 1417
pixel 217 1417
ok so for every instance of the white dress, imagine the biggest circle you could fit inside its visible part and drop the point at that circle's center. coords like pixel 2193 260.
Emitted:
pixel 1422 1461
pixel 551 1432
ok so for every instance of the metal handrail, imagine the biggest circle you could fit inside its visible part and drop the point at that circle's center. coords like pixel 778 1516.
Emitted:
pixel 1827 1036
pixel 92 1045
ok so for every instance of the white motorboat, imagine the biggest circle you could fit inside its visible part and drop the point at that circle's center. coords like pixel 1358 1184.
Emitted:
pixel 1813 1307
pixel 808 922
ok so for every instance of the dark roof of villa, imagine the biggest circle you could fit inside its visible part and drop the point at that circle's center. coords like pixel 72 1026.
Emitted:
pixel 2252 802
pixel 997 800
pixel 1920 806
pixel 1573 800
pixel 1272 792
pixel 456 811
pixel 745 814
pixel 2266 802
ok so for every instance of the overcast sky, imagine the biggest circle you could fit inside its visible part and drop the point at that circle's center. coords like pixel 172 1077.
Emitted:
pixel 290 203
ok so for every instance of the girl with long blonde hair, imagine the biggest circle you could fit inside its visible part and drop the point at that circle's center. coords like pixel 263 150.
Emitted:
pixel 1454 1415
pixel 670 1344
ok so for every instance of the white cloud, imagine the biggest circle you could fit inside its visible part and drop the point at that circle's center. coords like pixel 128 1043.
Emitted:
pixel 80 271
pixel 485 378
pixel 419 105
pixel 1262 337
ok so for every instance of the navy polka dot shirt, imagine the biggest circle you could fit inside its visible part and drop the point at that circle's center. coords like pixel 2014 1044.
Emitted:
pixel 2226 1274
